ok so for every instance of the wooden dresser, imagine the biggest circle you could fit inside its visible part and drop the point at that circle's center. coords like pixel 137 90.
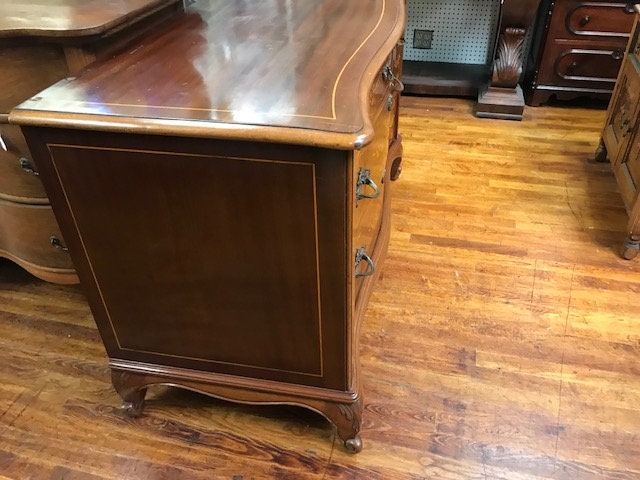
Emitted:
pixel 37 50
pixel 223 188
pixel 578 49
pixel 620 141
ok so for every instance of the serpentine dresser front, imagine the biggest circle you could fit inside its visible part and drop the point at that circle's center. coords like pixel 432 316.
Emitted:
pixel 223 188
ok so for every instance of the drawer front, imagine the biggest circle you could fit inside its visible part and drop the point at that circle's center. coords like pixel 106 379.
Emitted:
pixel 18 179
pixel 593 20
pixel 369 180
pixel 25 236
pixel 396 65
pixel 624 113
pixel 369 172
pixel 582 68
pixel 386 85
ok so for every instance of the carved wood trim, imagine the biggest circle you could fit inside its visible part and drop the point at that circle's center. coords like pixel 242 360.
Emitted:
pixel 508 64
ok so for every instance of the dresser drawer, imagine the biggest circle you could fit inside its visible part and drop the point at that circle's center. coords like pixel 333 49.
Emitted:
pixel 587 68
pixel 25 236
pixel 370 177
pixel 386 85
pixel 396 65
pixel 623 113
pixel 18 179
pixel 610 21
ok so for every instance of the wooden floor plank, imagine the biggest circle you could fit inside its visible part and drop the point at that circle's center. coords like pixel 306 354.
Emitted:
pixel 502 341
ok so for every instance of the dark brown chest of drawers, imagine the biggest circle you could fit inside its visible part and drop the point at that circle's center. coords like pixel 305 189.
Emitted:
pixel 578 49
pixel 226 200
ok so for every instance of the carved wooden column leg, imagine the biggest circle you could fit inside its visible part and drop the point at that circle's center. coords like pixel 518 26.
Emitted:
pixel 503 97
pixel 132 388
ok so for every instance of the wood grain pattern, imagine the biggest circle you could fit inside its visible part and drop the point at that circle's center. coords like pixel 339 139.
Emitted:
pixel 501 340
pixel 206 74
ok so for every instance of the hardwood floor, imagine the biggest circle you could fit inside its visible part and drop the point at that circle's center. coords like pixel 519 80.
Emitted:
pixel 501 342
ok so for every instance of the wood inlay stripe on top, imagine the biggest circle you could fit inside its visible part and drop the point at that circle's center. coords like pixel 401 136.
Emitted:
pixel 269 73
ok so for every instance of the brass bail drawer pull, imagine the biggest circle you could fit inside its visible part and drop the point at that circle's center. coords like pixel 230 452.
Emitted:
pixel 361 255
pixel 389 76
pixel 364 178
pixel 27 167
pixel 55 242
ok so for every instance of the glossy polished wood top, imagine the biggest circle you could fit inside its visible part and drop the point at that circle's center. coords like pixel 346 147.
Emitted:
pixel 69 18
pixel 295 72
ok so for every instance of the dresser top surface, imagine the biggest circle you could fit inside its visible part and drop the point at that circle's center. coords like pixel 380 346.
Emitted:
pixel 70 18
pixel 265 70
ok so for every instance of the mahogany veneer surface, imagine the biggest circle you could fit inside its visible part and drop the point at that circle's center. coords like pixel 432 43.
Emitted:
pixel 238 63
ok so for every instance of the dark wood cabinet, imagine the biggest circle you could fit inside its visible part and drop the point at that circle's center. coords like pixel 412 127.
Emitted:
pixel 36 51
pixel 620 141
pixel 227 234
pixel 578 49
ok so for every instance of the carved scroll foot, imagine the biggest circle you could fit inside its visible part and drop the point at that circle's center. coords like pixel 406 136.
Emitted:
pixel 132 389
pixel 347 419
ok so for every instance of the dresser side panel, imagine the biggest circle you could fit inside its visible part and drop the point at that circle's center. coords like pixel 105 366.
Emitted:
pixel 215 256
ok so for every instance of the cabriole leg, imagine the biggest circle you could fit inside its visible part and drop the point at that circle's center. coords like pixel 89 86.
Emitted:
pixel 132 389
pixel 347 419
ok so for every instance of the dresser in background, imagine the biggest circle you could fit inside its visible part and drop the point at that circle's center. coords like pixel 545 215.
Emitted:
pixel 620 141
pixel 37 50
pixel 577 49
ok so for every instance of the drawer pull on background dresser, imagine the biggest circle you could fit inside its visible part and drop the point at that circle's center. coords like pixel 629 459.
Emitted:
pixel 584 20
pixel 361 254
pixel 27 167
pixel 364 178
pixel 617 54
pixel 55 241
pixel 629 7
